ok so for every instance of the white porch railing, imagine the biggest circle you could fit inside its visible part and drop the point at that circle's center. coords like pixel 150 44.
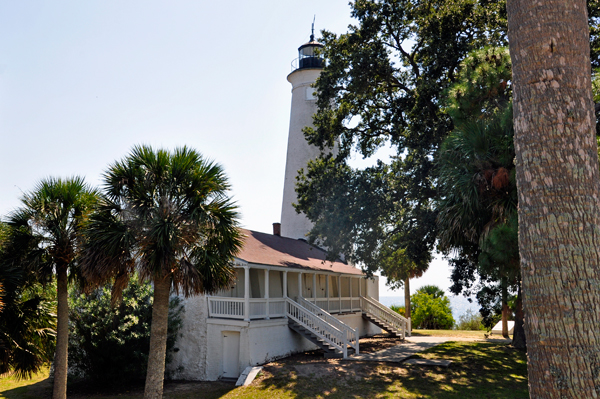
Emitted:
pixel 350 333
pixel 317 326
pixel 263 308
pixel 229 308
pixel 233 308
pixel 337 305
pixel 369 305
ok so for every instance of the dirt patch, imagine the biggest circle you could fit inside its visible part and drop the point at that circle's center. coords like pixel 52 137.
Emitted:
pixel 313 364
pixel 378 342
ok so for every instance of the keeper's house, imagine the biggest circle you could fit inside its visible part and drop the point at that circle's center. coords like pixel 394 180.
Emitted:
pixel 287 299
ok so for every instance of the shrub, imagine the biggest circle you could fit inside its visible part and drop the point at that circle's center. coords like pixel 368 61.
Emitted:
pixel 470 321
pixel 109 345
pixel 429 312
pixel 433 290
pixel 401 310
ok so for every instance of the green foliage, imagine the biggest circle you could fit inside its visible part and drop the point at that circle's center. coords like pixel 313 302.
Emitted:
pixel 477 185
pixel 163 215
pixel 478 195
pixel 108 345
pixel 596 85
pixel 470 321
pixel 477 181
pixel 388 83
pixel 483 86
pixel 475 161
pixel 401 310
pixel 384 84
pixel 596 93
pixel 431 312
pixel 433 290
pixel 27 327
pixel 44 233
pixel 594 23
pixel 27 316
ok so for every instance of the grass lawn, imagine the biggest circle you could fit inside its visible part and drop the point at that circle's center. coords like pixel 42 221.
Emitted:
pixel 36 387
pixel 479 370
pixel 455 333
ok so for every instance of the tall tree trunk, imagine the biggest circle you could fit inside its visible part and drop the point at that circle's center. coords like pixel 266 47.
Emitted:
pixel 519 341
pixel 407 298
pixel 158 340
pixel 59 389
pixel 504 308
pixel 558 181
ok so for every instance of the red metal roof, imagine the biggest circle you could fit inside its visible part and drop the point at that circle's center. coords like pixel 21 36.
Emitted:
pixel 269 249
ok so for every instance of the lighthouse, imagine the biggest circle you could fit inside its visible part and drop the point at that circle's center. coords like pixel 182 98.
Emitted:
pixel 305 71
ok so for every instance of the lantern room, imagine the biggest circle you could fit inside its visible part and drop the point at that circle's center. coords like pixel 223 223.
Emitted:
pixel 308 55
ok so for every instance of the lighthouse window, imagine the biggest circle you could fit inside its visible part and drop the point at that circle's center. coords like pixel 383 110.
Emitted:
pixel 311 93
pixel 307 52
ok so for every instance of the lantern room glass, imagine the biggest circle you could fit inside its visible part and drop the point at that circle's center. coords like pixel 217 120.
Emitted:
pixel 308 57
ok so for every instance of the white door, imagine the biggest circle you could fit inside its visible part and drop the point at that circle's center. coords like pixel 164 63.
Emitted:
pixel 231 354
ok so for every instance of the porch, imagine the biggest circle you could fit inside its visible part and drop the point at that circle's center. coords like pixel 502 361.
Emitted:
pixel 261 292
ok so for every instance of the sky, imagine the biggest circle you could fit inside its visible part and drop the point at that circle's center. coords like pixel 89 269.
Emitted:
pixel 82 82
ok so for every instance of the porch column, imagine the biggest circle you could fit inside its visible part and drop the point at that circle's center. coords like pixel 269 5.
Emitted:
pixel 246 293
pixel 314 288
pixel 360 293
pixel 340 291
pixel 327 290
pixel 351 301
pixel 285 284
pixel 267 293
pixel 299 284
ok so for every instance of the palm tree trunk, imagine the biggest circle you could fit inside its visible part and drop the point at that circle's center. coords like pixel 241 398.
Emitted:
pixel 158 340
pixel 504 308
pixel 59 390
pixel 407 297
pixel 559 209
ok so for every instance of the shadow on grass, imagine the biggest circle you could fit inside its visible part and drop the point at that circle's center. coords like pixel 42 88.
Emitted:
pixel 172 390
pixel 479 370
pixel 39 390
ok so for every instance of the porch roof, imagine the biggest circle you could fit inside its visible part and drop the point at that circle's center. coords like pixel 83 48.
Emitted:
pixel 269 249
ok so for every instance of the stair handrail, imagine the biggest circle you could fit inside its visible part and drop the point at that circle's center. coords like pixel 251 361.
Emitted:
pixel 351 333
pixel 370 305
pixel 317 326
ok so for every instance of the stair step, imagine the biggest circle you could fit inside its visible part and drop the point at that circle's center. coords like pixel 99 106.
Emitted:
pixel 382 324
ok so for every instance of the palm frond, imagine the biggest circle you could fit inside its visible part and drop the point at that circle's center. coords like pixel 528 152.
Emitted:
pixel 166 215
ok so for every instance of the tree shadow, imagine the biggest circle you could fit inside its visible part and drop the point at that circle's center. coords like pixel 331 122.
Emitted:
pixel 40 390
pixel 172 389
pixel 479 370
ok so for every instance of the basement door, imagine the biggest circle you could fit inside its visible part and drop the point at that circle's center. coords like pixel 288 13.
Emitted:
pixel 231 354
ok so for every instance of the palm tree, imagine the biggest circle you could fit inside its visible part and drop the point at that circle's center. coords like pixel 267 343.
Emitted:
pixel 558 180
pixel 44 239
pixel 433 290
pixel 479 201
pixel 166 216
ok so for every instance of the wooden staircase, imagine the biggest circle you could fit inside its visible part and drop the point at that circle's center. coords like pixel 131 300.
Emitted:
pixel 328 333
pixel 385 318
pixel 383 325
pixel 332 335
pixel 330 350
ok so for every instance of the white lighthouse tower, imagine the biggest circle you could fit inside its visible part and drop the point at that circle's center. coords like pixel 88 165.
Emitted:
pixel 307 68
